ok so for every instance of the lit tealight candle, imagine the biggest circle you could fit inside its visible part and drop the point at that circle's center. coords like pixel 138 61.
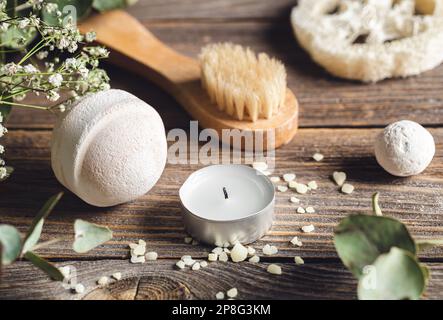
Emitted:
pixel 227 203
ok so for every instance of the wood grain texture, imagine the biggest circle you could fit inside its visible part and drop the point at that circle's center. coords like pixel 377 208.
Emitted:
pixel 160 280
pixel 156 217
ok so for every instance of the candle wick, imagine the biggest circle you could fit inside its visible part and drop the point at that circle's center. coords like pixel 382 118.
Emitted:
pixel 226 193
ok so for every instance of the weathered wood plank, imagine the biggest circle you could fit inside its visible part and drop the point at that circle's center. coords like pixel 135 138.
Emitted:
pixel 325 101
pixel 160 280
pixel 156 217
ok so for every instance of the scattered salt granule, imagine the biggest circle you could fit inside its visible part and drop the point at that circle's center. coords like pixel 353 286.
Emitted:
pixel 103 281
pixel 135 259
pixel 298 260
pixel 260 166
pixel 293 184
pixel 65 271
pixel 180 264
pixel 223 257
pixel 203 264
pixel 217 250
pixel 339 177
pixel 239 253
pixel 226 245
pixel 294 200
pixel 269 250
pixel 141 242
pixel 251 251
pixel 232 293
pixel 288 177
pixel 226 250
pixel 282 188
pixel 347 188
pixel 117 275
pixel 301 210
pixel 318 157
pixel 151 256
pixel 188 240
pixel 296 242
pixel 254 259
pixel 133 245
pixel 310 210
pixel 301 188
pixel 308 229
pixel 196 266
pixel 188 261
pixel 79 288
pixel 312 185
pixel 139 250
pixel 274 269
pixel 212 257
pixel 186 257
pixel 274 179
pixel 220 295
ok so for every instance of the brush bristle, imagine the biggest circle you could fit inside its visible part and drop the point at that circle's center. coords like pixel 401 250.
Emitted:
pixel 242 83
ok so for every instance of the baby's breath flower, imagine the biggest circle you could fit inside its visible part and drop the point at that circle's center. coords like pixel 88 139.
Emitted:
pixel 90 36
pixel 2 162
pixel 29 68
pixel 23 23
pixel 3 173
pixel 42 55
pixel 56 80
pixel 3 130
pixel 52 95
pixel 50 7
pixel 10 69
pixel 2 149
pixel 83 71
pixel 71 63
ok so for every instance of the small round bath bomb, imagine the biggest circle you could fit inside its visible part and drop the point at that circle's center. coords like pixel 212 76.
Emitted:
pixel 109 148
pixel 404 148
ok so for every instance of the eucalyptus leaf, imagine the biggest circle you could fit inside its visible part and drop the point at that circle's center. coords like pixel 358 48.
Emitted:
pixel 104 5
pixel 396 275
pixel 89 235
pixel 360 239
pixel 52 271
pixel 9 171
pixel 82 10
pixel 428 244
pixel 16 38
pixel 35 230
pixel 11 243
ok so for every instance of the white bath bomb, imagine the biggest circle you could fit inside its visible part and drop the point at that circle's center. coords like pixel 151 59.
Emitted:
pixel 404 148
pixel 109 148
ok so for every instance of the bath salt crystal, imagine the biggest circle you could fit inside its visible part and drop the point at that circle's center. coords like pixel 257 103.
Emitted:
pixel 296 242
pixel 347 188
pixel 117 275
pixel 301 188
pixel 232 293
pixel 103 281
pixel 288 177
pixel 254 259
pixel 186 257
pixel 269 250
pixel 339 177
pixel 217 250
pixel 251 251
pixel 226 245
pixel 142 243
pixel 189 262
pixel 180 264
pixel 310 210
pixel 203 264
pixel 239 253
pixel 294 200
pixel 133 245
pixel 223 257
pixel 65 271
pixel 312 185
pixel 298 260
pixel 220 295
pixel 226 250
pixel 260 166
pixel 140 259
pixel 308 229
pixel 274 179
pixel 282 188
pixel 188 240
pixel 79 288
pixel 274 269
pixel 196 266
pixel 292 184
pixel 139 250
pixel 318 157
pixel 151 256
pixel 301 210
pixel 213 257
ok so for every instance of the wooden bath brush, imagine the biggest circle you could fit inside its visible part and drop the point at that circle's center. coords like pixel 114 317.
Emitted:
pixel 219 105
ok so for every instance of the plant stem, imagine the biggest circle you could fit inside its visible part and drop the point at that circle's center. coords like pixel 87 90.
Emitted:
pixel 24 105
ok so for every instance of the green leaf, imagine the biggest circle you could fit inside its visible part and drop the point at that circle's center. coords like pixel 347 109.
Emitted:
pixel 105 5
pixel 89 235
pixel 9 171
pixel 428 244
pixel 11 243
pixel 82 7
pixel 35 230
pixel 12 38
pixel 396 275
pixel 375 205
pixel 52 271
pixel 360 239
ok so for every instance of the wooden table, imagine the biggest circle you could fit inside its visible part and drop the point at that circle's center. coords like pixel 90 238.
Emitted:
pixel 338 118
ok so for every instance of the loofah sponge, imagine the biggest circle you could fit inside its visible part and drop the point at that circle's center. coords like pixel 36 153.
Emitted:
pixel 109 148
pixel 371 40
